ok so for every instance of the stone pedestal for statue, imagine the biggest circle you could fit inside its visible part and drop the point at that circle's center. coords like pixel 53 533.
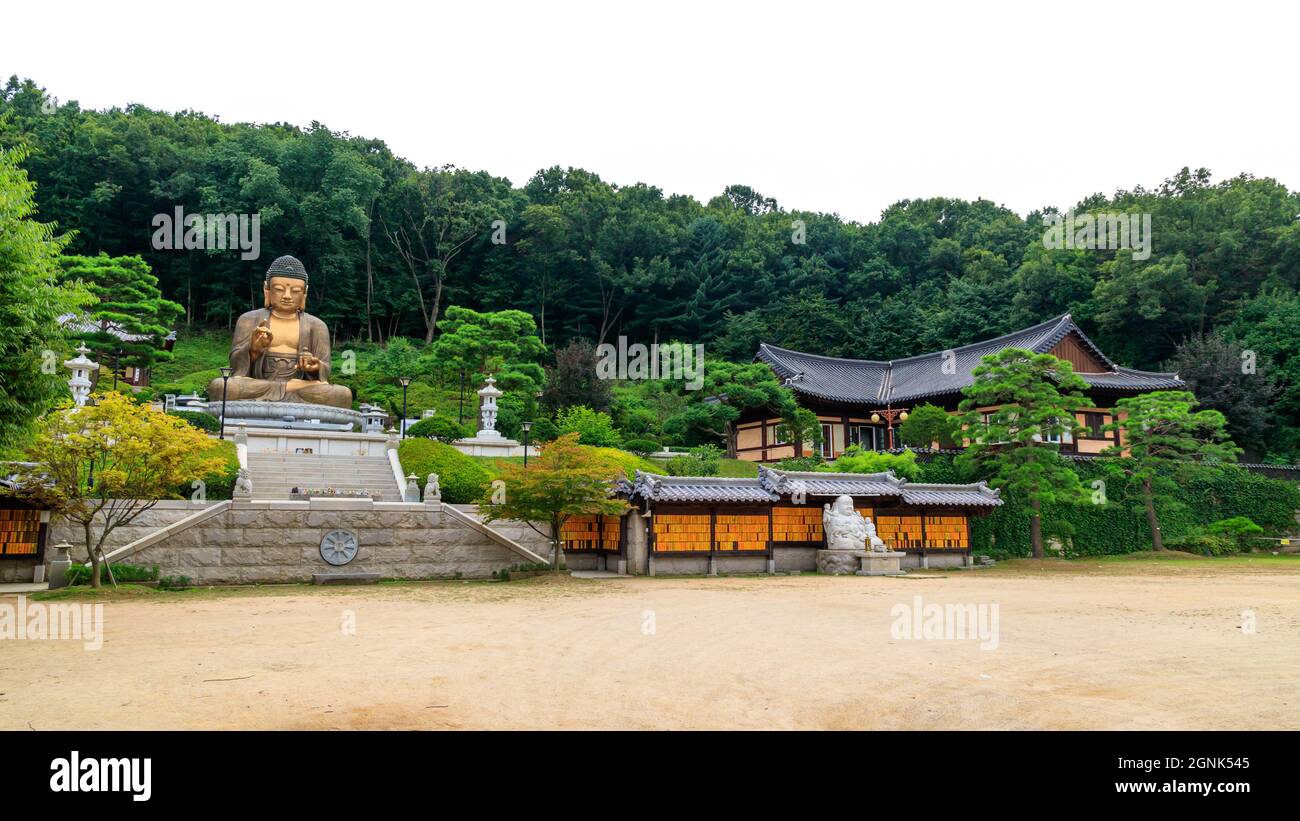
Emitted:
pixel 853 546
pixel 839 562
pixel 882 564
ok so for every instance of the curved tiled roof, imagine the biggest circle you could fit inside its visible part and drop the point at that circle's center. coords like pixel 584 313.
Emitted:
pixel 772 484
pixel 901 380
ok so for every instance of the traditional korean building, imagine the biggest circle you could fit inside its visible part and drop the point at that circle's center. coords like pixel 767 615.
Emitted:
pixel 702 524
pixel 862 401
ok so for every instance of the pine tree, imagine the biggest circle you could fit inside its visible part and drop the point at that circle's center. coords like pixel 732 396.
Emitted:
pixel 1033 398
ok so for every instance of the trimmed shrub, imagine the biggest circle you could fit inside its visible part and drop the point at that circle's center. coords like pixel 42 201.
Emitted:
pixel 802 463
pixel 462 479
pixel 857 460
pixel 440 429
pixel 641 446
pixel 704 460
pixel 198 419
pixel 593 427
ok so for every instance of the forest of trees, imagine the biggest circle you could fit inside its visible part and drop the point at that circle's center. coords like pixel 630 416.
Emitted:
pixel 390 246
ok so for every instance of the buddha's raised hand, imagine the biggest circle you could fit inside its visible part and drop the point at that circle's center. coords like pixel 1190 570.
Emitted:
pixel 262 339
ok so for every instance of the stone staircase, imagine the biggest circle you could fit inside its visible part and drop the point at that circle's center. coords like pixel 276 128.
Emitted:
pixel 275 475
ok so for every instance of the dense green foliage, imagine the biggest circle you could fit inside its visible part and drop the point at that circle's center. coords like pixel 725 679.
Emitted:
pixel 1108 525
pixel 390 246
pixel 462 479
pixel 1163 437
pixel 925 425
pixel 593 427
pixel 32 346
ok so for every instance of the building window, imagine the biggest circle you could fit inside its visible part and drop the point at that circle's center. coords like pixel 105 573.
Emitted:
pixel 1095 422
pixel 776 435
pixel 864 436
pixel 828 444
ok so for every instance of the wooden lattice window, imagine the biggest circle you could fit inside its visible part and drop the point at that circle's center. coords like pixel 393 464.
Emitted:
pixel 740 532
pixel 681 532
pixel 899 531
pixel 947 532
pixel 801 523
pixel 20 532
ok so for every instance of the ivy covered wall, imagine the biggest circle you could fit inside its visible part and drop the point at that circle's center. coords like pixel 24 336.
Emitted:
pixel 1119 525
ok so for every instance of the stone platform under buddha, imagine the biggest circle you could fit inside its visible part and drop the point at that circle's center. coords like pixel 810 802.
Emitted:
pixel 288 415
pixel 859 563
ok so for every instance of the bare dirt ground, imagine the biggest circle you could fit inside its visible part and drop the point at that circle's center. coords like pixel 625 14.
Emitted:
pixel 1082 645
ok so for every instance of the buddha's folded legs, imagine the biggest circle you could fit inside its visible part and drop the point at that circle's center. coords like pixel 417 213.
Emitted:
pixel 266 390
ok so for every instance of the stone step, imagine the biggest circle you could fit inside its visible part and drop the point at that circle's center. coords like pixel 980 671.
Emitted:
pixel 275 475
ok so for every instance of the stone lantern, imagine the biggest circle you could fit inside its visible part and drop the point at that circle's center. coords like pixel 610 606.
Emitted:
pixel 81 367
pixel 488 396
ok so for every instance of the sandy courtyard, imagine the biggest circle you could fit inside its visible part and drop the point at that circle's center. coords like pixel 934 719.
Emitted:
pixel 1080 645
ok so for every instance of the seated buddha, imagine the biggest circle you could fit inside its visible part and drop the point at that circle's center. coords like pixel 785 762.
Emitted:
pixel 281 353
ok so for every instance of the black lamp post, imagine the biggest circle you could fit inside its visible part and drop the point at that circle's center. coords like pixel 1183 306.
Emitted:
pixel 117 358
pixel 90 474
pixel 526 426
pixel 225 380
pixel 405 380
pixel 460 415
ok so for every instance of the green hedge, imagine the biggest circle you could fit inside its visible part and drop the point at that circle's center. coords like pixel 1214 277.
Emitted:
pixel 202 421
pixel 1119 526
pixel 440 428
pixel 220 484
pixel 463 480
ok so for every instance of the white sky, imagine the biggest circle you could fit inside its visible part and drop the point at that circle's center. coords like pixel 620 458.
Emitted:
pixel 826 107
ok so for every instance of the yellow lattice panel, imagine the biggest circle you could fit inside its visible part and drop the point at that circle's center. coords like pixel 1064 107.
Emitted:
pixel 20 532
pixel 681 532
pixel 899 531
pixel 581 533
pixel 740 532
pixel 951 532
pixel 797 524
pixel 612 530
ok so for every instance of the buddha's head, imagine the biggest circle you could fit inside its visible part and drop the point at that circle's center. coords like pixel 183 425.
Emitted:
pixel 844 506
pixel 285 288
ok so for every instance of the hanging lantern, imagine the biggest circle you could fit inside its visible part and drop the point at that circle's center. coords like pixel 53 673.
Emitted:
pixel 875 417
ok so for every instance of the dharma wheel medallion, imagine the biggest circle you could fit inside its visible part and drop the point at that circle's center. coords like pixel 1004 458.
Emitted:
pixel 338 547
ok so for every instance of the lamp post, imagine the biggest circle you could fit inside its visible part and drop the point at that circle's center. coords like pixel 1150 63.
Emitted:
pixel 460 415
pixel 92 401
pixel 117 358
pixel 225 380
pixel 406 381
pixel 890 415
pixel 526 426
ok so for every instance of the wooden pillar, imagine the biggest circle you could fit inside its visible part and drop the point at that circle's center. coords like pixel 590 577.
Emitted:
pixel 713 540
pixel 771 548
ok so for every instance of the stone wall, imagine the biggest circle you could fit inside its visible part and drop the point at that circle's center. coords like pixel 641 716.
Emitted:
pixel 163 513
pixel 269 542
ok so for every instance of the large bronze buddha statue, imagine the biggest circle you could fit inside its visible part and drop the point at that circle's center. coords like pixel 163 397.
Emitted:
pixel 281 353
